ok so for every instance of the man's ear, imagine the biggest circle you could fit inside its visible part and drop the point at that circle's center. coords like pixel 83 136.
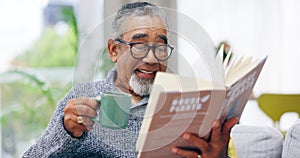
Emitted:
pixel 112 50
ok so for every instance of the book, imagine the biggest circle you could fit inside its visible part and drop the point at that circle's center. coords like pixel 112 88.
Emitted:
pixel 180 104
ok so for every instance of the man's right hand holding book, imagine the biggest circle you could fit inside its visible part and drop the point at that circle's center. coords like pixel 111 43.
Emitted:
pixel 216 147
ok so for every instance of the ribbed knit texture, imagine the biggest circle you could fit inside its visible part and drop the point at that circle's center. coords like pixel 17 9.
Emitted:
pixel 99 142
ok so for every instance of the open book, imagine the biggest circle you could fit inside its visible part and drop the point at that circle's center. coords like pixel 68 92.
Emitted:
pixel 180 104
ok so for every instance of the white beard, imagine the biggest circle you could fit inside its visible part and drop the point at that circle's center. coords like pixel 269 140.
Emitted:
pixel 141 87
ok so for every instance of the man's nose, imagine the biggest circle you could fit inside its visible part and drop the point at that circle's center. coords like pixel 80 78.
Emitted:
pixel 150 58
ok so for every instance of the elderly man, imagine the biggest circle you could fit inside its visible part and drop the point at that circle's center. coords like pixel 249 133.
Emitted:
pixel 139 47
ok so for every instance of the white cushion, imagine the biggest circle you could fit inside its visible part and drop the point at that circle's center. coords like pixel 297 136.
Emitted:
pixel 257 141
pixel 291 147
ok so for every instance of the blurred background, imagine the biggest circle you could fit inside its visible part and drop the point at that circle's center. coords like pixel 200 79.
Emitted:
pixel 48 45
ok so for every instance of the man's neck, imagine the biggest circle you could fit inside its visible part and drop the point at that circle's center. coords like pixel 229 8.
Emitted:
pixel 135 98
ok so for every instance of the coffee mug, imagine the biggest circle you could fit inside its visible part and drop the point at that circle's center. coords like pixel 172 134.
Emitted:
pixel 114 109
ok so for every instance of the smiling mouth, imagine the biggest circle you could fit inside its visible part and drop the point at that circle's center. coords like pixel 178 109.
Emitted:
pixel 146 74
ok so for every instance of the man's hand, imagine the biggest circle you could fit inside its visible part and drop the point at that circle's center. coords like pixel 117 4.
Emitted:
pixel 214 148
pixel 78 115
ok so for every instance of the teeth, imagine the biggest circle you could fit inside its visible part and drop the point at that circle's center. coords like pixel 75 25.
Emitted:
pixel 147 72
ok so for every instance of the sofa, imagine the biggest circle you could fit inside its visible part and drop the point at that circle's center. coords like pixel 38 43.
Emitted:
pixel 266 142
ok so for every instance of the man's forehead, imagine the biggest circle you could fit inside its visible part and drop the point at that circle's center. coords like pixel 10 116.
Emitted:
pixel 144 24
pixel 146 31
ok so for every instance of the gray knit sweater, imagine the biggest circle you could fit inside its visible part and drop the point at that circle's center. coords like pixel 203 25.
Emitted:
pixel 99 142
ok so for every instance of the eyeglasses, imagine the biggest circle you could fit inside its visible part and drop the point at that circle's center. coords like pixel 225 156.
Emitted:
pixel 140 50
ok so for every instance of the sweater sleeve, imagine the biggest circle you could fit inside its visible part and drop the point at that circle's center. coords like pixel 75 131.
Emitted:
pixel 56 141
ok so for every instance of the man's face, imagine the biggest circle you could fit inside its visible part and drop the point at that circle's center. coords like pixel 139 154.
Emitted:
pixel 138 74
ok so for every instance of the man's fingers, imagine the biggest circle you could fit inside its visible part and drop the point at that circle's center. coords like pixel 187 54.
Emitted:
pixel 184 153
pixel 196 141
pixel 76 129
pixel 84 110
pixel 216 130
pixel 215 147
pixel 92 103
pixel 78 117
pixel 87 121
pixel 229 124
pixel 77 134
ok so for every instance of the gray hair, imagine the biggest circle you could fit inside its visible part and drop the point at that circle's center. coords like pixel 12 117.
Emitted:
pixel 137 9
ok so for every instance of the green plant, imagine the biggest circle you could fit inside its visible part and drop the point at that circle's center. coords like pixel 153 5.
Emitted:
pixel 27 106
pixel 29 103
pixel 50 50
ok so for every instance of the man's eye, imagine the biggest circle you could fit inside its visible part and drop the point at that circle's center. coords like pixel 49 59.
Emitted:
pixel 162 48
pixel 140 46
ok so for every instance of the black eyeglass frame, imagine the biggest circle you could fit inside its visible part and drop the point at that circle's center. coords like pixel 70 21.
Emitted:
pixel 149 47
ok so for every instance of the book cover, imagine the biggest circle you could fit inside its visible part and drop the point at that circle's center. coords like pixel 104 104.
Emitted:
pixel 180 104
